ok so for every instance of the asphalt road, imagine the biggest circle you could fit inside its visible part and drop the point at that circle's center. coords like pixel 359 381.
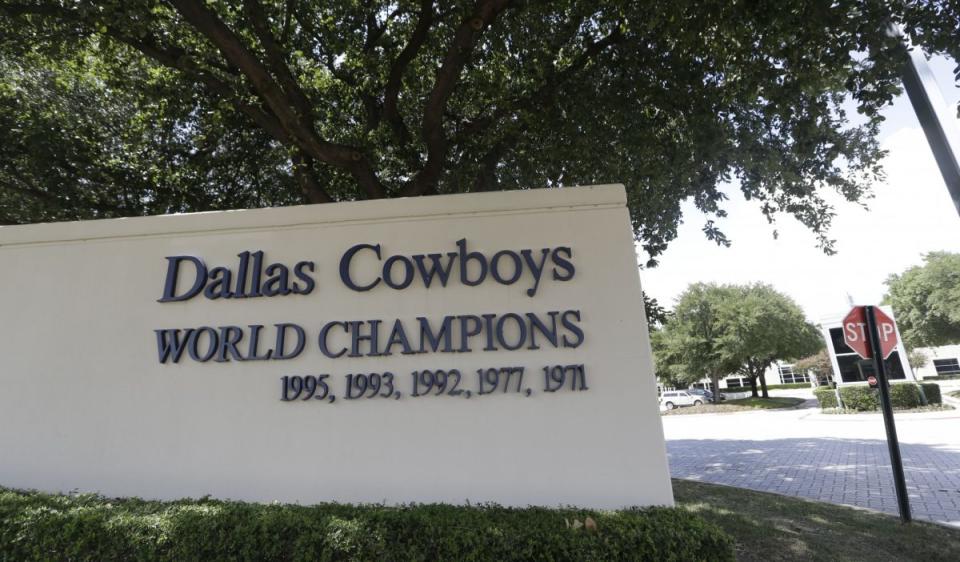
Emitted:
pixel 835 458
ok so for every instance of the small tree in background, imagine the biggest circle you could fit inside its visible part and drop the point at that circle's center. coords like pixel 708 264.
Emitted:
pixel 819 364
pixel 917 359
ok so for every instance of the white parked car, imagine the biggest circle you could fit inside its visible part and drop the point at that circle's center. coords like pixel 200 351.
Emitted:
pixel 673 398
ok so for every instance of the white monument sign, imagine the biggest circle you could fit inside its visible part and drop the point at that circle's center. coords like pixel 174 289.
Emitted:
pixel 484 347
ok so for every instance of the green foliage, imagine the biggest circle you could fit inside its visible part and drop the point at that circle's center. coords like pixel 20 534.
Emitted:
pixel 36 526
pixel 722 329
pixel 826 397
pixel 860 398
pixel 762 326
pixel 903 396
pixel 926 301
pixel 657 315
pixel 688 347
pixel 931 391
pixel 82 146
pixel 203 105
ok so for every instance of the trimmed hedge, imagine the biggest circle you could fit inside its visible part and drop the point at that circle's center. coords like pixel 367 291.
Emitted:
pixel 932 391
pixel 905 396
pixel 38 526
pixel 860 398
pixel 864 399
pixel 826 397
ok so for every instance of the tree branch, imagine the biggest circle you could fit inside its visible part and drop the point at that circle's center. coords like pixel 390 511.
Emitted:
pixel 395 79
pixel 304 174
pixel 177 59
pixel 375 31
pixel 486 179
pixel 447 77
pixel 258 19
pixel 233 49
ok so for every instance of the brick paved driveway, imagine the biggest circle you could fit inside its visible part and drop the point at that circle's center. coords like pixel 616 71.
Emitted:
pixel 839 459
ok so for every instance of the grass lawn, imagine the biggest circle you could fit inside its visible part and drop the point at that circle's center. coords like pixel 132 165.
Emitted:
pixel 766 403
pixel 738 405
pixel 917 410
pixel 770 527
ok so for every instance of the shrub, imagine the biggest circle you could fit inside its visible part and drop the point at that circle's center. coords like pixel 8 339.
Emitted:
pixel 860 398
pixel 932 391
pixel 864 398
pixel 826 397
pixel 905 395
pixel 37 526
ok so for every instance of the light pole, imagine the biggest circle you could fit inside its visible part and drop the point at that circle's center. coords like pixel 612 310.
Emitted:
pixel 939 127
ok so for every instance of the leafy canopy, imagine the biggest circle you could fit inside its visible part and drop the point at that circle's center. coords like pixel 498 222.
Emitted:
pixel 762 325
pixel 130 107
pixel 926 301
pixel 688 347
pixel 716 330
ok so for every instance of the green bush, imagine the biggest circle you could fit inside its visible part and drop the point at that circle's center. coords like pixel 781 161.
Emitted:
pixel 932 391
pixel 864 399
pixel 37 526
pixel 860 398
pixel 826 397
pixel 905 395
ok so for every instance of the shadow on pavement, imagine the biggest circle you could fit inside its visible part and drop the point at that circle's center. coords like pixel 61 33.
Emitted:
pixel 844 471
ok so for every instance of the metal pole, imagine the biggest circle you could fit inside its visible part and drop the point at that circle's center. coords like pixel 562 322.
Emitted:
pixel 899 481
pixel 939 128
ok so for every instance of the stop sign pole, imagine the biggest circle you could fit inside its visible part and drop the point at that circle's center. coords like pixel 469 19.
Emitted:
pixel 877 354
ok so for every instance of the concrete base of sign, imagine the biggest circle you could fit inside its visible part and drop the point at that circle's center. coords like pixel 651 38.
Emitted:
pixel 89 402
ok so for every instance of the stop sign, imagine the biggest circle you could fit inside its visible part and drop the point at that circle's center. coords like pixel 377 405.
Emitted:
pixel 856 336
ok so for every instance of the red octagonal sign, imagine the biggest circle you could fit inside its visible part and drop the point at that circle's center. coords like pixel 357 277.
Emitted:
pixel 856 336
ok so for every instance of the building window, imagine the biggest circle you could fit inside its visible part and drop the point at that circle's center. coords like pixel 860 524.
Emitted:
pixel 855 369
pixel 788 376
pixel 737 382
pixel 947 366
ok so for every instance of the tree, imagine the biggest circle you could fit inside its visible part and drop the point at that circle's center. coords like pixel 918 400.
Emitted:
pixel 926 301
pixel 819 364
pixel 656 314
pixel 761 326
pixel 917 359
pixel 190 105
pixel 689 346
pixel 717 330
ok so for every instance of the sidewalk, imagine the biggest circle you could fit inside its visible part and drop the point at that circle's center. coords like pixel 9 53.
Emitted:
pixel 838 458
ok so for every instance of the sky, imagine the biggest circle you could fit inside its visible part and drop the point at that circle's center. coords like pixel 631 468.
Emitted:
pixel 911 214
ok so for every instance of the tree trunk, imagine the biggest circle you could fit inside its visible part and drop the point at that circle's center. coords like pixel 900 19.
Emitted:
pixel 753 385
pixel 763 384
pixel 715 381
